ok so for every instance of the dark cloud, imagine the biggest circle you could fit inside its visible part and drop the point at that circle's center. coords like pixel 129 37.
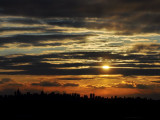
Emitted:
pixel 14 85
pixel 47 70
pixel 128 24
pixel 37 39
pixel 145 47
pixel 36 59
pixel 37 64
pixel 4 29
pixel 47 84
pixel 54 84
pixel 69 78
pixel 124 86
pixel 24 20
pixel 143 86
pixel 40 44
pixel 156 81
pixel 76 8
pixel 73 78
pixel 70 22
pixel 5 80
pixel 96 87
pixel 139 86
pixel 123 16
pixel 70 85
pixel 8 82
pixel 136 65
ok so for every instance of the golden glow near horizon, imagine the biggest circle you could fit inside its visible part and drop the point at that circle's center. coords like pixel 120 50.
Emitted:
pixel 105 67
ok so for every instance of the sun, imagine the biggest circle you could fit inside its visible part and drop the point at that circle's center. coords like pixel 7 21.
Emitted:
pixel 105 67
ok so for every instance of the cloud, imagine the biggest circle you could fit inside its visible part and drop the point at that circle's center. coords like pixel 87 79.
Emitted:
pixel 122 16
pixel 124 86
pixel 5 80
pixel 34 70
pixel 14 85
pixel 37 59
pixel 145 47
pixel 70 22
pixel 129 24
pixel 139 86
pixel 9 83
pixel 156 81
pixel 143 86
pixel 47 84
pixel 76 8
pixel 70 85
pixel 69 78
pixel 42 65
pixel 96 87
pixel 36 40
pixel 23 20
pixel 4 29
pixel 54 84
pixel 73 78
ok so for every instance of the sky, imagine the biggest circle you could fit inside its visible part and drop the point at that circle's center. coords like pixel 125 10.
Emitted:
pixel 63 46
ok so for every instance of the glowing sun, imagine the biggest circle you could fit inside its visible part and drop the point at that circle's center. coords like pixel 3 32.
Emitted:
pixel 105 67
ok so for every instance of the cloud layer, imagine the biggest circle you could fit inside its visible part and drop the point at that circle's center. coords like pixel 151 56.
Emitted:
pixel 76 8
pixel 44 64
pixel 123 16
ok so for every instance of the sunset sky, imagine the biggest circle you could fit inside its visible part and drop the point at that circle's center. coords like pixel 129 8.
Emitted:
pixel 106 47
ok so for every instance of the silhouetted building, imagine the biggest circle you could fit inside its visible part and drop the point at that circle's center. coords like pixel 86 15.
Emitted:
pixel 85 97
pixel 92 96
pixel 18 93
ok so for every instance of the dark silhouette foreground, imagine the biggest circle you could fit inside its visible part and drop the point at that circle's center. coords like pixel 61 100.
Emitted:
pixel 72 106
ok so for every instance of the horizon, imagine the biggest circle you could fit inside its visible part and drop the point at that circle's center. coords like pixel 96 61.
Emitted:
pixel 18 92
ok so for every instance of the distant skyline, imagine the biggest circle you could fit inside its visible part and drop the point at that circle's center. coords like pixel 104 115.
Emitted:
pixel 106 47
